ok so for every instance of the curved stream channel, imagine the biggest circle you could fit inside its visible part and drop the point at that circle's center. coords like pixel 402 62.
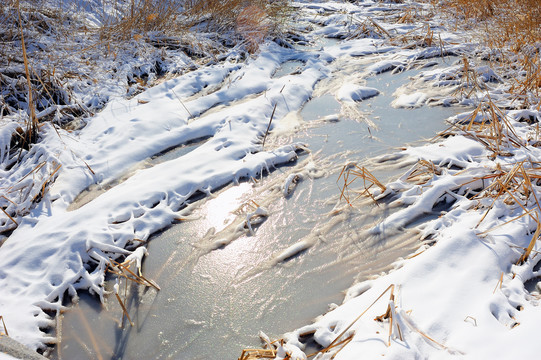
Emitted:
pixel 214 300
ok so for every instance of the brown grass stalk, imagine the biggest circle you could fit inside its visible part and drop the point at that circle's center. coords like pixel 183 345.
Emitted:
pixel 32 127
pixel 390 287
pixel 268 127
pixel 4 326
pixel 350 174
pixel 422 172
pixel 124 310
pixel 529 249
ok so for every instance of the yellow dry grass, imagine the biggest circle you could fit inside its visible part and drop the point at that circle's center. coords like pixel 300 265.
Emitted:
pixel 122 271
pixel 346 335
pixel 5 332
pixel 352 173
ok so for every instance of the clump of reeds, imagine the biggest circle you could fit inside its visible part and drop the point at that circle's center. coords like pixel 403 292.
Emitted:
pixel 514 187
pixel 489 125
pixel 528 81
pixel 511 28
pixel 123 272
pixel 353 173
pixel 136 19
pixel 422 172
pixel 368 28
pixel 469 81
pixel 252 21
pixel 23 193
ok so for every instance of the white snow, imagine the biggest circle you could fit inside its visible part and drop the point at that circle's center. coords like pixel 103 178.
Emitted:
pixel 352 92
pixel 417 99
pixel 4 356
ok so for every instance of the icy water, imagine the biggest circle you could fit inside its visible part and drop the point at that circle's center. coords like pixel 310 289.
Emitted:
pixel 215 299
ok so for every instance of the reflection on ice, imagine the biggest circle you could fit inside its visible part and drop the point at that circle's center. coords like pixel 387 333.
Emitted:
pixel 219 211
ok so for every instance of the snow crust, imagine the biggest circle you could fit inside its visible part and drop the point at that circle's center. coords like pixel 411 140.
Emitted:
pixel 353 92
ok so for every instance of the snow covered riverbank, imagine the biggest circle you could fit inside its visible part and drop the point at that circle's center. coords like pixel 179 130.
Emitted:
pixel 463 287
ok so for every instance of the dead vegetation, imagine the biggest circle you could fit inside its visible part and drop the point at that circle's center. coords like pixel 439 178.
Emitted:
pixel 22 191
pixel 5 331
pixel 62 61
pixel 125 274
pixel 511 29
pixel 50 50
pixel 506 23
pixel 352 173
pixel 396 320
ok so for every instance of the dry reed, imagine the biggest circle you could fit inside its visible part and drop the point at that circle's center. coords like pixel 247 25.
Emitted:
pixel 32 126
pixel 511 29
pixel 352 173
pixel 341 340
pixel 422 172
pixel 122 271
pixel 5 332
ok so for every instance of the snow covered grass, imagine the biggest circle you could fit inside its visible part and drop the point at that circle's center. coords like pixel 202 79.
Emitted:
pixel 64 61
pixel 470 290
pixel 511 31
pixel 151 200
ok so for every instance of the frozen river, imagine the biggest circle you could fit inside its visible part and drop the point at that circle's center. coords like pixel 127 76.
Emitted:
pixel 215 299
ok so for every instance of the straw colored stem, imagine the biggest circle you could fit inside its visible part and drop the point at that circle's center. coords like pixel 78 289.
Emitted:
pixel 391 287
pixel 124 309
pixel 4 325
pixel 33 121
pixel 529 249
pixel 268 127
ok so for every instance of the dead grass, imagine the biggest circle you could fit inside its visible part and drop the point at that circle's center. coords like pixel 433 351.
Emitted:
pixel 32 126
pixel 353 173
pixel 123 272
pixel 514 21
pixel 489 125
pixel 20 197
pixel 398 322
pixel 136 19
pixel 511 29
pixel 252 21
pixel 422 172
pixel 5 332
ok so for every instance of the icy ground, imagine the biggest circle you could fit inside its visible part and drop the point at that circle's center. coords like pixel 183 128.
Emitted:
pixel 467 293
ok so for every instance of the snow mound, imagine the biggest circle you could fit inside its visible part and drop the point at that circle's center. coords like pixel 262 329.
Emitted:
pixel 353 92
pixel 415 100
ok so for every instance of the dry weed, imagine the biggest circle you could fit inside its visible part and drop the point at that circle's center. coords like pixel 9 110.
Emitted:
pixel 5 332
pixel 122 271
pixel 140 17
pixel 352 173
